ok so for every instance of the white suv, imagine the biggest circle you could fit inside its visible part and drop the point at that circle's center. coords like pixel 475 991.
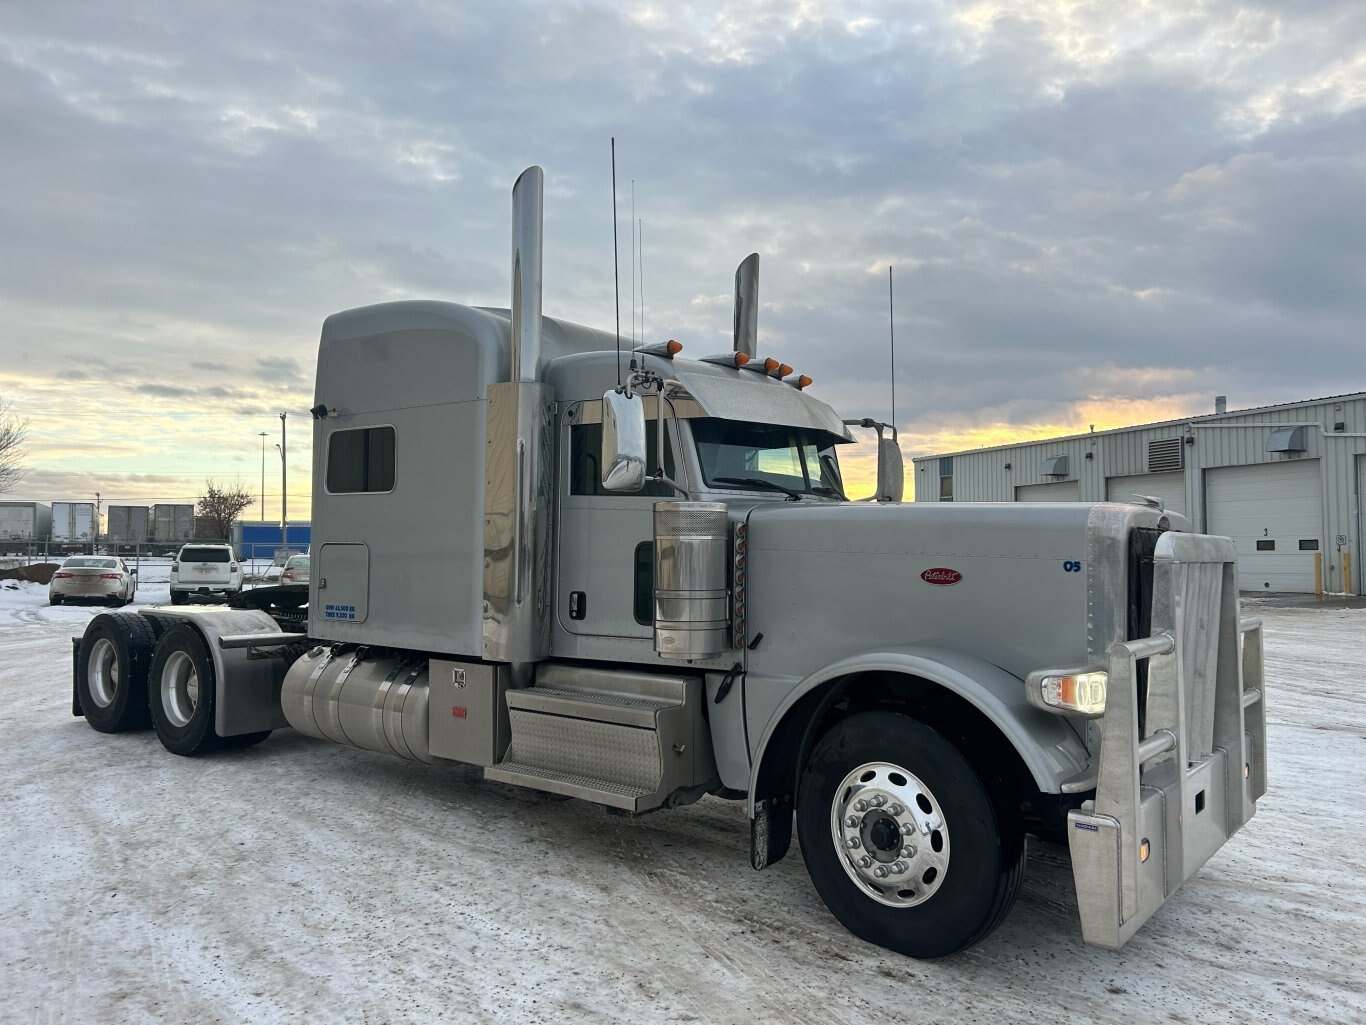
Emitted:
pixel 206 569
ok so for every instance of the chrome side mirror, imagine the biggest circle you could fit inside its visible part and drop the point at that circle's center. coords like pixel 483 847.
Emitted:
pixel 623 442
pixel 891 479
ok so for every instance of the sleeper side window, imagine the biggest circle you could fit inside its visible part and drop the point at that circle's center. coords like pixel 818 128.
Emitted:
pixel 360 460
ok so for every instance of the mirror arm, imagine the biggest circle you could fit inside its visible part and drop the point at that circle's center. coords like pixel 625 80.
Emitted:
pixel 659 474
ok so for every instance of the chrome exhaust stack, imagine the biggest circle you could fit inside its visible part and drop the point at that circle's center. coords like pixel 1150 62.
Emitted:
pixel 747 305
pixel 519 461
pixel 528 218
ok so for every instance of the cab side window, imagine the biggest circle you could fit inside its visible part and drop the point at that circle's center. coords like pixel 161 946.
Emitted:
pixel 585 474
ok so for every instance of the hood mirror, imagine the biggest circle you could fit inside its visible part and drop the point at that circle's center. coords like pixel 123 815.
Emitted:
pixel 891 478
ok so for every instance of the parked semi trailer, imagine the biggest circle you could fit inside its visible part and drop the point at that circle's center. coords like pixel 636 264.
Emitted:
pixel 129 524
pixel 25 521
pixel 74 522
pixel 637 580
pixel 172 523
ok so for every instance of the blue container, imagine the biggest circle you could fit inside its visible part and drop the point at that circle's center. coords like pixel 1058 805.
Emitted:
pixel 256 540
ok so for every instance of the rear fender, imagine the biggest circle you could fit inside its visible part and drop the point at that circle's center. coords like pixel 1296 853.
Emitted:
pixel 248 697
pixel 1050 748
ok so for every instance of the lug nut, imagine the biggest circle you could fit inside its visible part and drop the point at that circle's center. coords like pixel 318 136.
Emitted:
pixel 853 842
pixel 879 801
pixel 908 851
pixel 864 861
pixel 860 805
pixel 852 821
pixel 897 809
pixel 908 829
pixel 898 867
pixel 880 871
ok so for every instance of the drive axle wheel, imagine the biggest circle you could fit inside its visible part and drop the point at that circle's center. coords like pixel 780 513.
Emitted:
pixel 879 800
pixel 182 689
pixel 111 672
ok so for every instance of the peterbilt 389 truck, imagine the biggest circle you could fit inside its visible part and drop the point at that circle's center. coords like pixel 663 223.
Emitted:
pixel 637 579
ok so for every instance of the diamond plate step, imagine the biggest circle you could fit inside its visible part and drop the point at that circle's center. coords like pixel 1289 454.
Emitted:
pixel 622 738
pixel 602 706
pixel 599 791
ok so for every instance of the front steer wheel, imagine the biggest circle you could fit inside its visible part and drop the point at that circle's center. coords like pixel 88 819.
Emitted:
pixel 902 839
pixel 111 672
pixel 182 691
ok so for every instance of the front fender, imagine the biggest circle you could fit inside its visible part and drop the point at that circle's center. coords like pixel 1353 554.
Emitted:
pixel 1047 744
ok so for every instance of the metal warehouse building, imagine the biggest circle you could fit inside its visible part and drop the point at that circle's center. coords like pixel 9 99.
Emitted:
pixel 1285 482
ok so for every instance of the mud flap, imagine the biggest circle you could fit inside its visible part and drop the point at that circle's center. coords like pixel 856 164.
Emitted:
pixel 76 708
pixel 770 831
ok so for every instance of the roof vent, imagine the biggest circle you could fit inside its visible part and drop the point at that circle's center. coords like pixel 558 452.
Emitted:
pixel 1286 439
pixel 1164 454
pixel 1220 404
pixel 1053 466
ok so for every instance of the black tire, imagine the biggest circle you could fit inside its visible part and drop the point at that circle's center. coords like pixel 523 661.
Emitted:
pixel 55 599
pixel 111 672
pixel 181 691
pixel 245 740
pixel 179 597
pixel 980 849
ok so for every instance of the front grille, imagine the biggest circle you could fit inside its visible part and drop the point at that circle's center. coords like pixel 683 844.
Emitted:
pixel 1139 619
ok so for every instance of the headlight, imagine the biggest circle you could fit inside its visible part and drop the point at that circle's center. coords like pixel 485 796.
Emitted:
pixel 1062 691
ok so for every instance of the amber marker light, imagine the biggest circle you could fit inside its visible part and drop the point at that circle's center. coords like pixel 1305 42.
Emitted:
pixel 803 381
pixel 1062 691
pixel 741 358
pixel 1144 849
pixel 783 370
pixel 674 347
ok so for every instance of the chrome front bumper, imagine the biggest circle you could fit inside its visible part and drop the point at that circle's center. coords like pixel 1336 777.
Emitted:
pixel 1167 800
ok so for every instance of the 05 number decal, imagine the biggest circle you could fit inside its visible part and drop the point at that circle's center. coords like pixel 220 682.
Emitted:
pixel 1071 566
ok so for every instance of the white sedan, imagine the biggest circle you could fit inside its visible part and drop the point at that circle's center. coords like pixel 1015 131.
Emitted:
pixel 101 577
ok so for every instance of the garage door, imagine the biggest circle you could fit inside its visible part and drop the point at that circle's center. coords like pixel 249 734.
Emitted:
pixel 1274 513
pixel 1061 491
pixel 1169 488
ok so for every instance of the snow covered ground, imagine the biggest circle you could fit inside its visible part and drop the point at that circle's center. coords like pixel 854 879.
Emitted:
pixel 299 881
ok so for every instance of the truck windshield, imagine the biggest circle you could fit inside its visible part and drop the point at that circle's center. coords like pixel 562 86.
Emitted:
pixel 763 457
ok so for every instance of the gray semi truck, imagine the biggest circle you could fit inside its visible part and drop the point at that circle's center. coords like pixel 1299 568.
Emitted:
pixel 636 579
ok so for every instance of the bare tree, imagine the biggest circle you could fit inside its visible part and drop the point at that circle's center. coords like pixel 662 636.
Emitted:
pixel 219 507
pixel 13 431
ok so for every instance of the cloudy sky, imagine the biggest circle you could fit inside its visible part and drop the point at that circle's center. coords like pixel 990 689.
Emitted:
pixel 1098 213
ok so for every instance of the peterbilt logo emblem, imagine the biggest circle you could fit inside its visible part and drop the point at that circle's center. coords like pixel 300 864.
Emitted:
pixel 941 575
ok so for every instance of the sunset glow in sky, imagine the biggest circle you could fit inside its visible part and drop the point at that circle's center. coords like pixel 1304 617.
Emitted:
pixel 1098 214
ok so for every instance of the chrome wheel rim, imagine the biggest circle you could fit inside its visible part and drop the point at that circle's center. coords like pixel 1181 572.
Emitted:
pixel 890 834
pixel 103 672
pixel 179 688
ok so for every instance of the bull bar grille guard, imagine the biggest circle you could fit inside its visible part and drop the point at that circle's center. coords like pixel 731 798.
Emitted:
pixel 1169 795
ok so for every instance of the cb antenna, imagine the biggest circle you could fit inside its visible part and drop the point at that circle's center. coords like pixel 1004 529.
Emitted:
pixel 891 340
pixel 633 264
pixel 616 276
pixel 642 279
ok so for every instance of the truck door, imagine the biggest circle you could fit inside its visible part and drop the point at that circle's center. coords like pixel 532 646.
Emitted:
pixel 604 546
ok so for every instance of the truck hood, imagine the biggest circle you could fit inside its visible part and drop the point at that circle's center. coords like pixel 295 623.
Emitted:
pixel 1007 583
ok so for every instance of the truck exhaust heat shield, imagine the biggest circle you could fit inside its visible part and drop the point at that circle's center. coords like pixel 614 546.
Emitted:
pixel 691 601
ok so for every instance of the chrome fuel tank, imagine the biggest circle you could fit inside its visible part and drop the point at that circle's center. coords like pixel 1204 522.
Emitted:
pixel 379 704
